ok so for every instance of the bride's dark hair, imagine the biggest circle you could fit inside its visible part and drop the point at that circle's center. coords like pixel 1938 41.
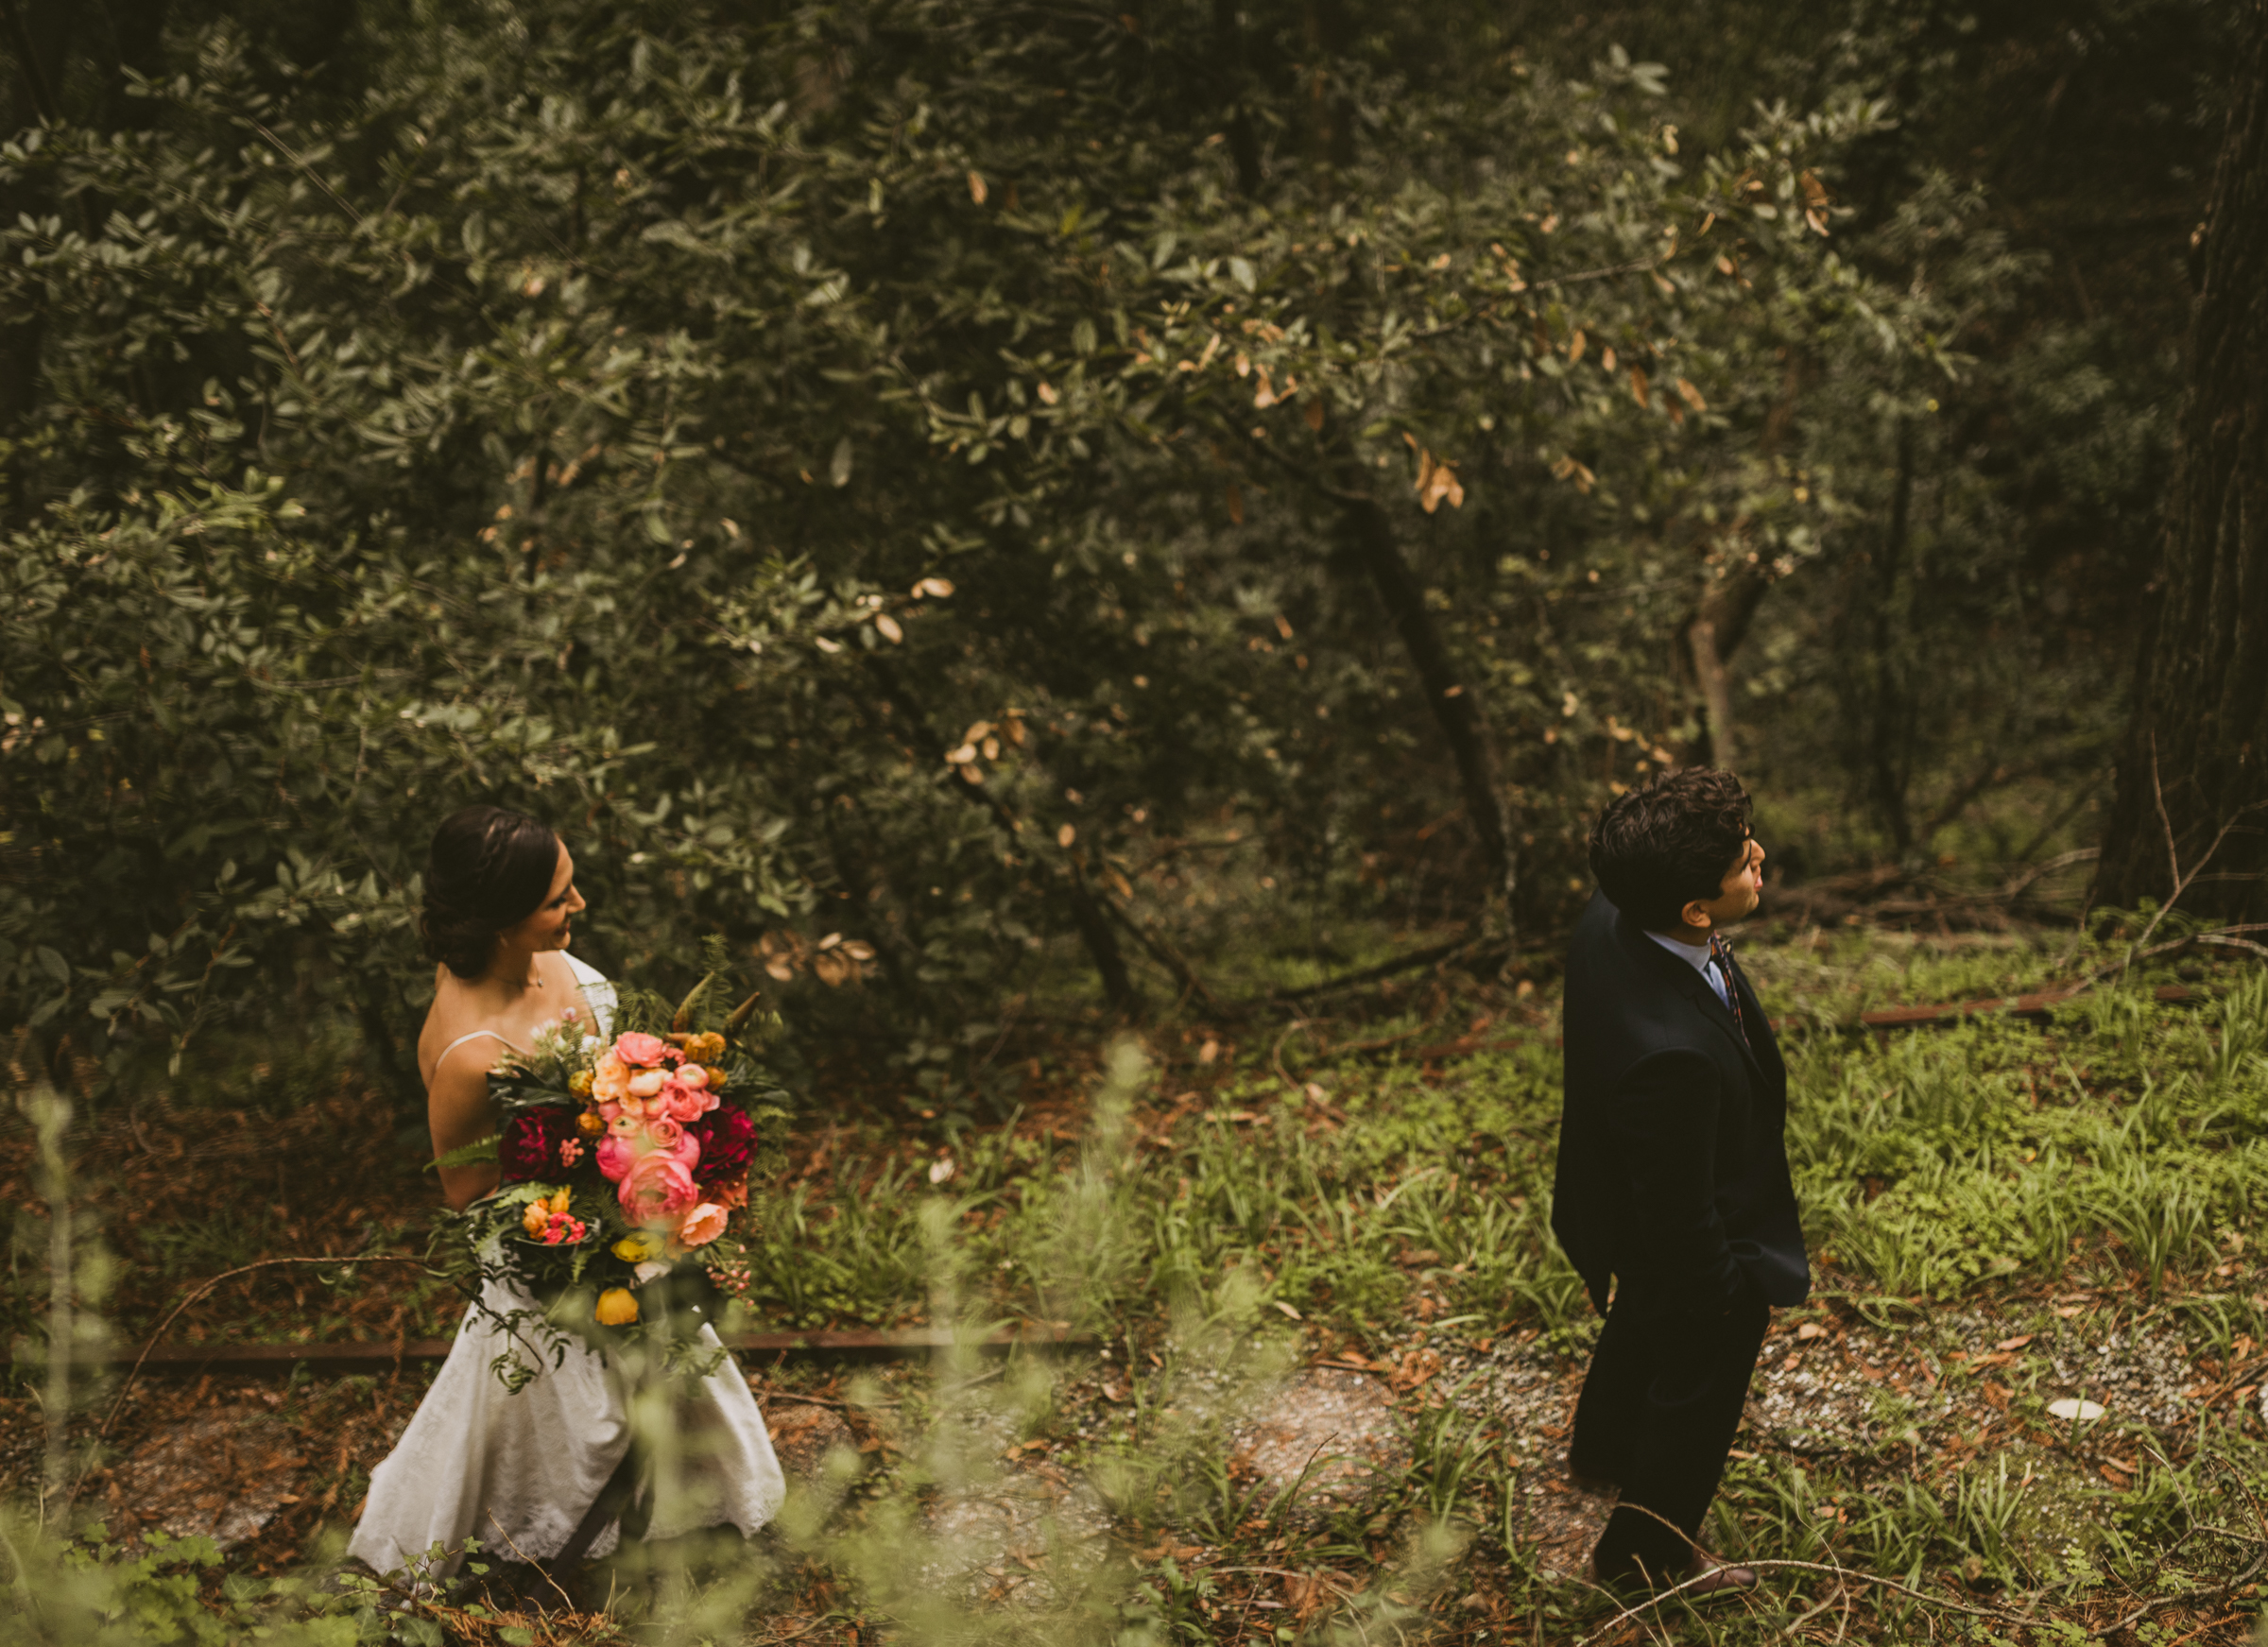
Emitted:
pixel 489 869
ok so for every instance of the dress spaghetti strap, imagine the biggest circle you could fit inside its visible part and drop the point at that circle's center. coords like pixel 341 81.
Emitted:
pixel 458 1042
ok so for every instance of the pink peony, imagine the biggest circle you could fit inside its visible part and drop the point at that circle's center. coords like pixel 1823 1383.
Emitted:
pixel 665 1137
pixel 688 1103
pixel 658 1188
pixel 703 1225
pixel 615 1156
pixel 643 1050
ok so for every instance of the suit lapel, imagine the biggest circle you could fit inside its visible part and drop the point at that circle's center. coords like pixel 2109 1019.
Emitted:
pixel 1696 988
pixel 1754 1010
pixel 1714 1008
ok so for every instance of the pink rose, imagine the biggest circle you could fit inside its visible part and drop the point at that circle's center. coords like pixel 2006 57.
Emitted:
pixel 688 1103
pixel 703 1225
pixel 616 1155
pixel 628 1122
pixel 645 1050
pixel 665 1137
pixel 609 1111
pixel 610 1081
pixel 691 1075
pixel 658 1188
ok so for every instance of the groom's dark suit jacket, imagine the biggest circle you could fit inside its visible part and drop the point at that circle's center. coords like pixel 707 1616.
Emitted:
pixel 1673 1174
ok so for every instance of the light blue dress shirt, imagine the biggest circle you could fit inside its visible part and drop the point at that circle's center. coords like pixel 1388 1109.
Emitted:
pixel 1702 961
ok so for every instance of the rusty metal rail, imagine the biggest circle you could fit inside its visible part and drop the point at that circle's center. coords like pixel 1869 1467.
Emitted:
pixel 2040 1004
pixel 838 1344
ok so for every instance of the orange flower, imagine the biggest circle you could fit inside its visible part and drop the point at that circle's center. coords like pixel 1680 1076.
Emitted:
pixel 703 1225
pixel 616 1307
pixel 702 1047
pixel 610 1081
pixel 535 1218
pixel 591 1123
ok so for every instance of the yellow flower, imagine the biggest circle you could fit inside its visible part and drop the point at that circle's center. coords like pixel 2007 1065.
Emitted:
pixel 704 1048
pixel 635 1249
pixel 616 1307
pixel 579 1082
pixel 591 1123
pixel 559 1201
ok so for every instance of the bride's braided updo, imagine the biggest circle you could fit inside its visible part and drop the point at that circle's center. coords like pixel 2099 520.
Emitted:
pixel 490 869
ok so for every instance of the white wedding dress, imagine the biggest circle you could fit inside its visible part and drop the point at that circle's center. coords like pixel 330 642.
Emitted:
pixel 517 1470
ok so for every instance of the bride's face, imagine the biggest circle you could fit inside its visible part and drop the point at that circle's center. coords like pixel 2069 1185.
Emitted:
pixel 549 928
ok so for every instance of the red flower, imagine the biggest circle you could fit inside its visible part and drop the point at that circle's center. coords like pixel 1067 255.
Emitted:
pixel 727 1143
pixel 530 1143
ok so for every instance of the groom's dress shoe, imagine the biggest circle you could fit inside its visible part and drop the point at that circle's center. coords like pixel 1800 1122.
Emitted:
pixel 1708 1575
pixel 1712 1576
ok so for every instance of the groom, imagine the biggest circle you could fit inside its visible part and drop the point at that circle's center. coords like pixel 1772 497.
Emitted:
pixel 1673 1179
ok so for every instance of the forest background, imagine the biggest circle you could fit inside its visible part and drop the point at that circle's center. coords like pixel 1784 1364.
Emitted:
pixel 1028 517
pixel 1058 506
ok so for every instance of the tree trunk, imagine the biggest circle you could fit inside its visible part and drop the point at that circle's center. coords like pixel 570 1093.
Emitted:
pixel 1715 633
pixel 1455 703
pixel 1728 606
pixel 1228 52
pixel 2193 774
pixel 1330 113
pixel 1889 744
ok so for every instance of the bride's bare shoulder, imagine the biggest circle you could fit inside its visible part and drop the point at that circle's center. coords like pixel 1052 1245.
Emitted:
pixel 454 1014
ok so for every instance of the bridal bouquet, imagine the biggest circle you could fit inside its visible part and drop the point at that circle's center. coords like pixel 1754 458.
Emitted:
pixel 625 1165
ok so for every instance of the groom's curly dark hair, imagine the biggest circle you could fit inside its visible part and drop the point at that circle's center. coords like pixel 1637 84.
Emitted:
pixel 1669 842
pixel 489 869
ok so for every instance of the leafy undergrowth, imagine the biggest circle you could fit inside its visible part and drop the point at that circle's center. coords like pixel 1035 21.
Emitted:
pixel 1241 1227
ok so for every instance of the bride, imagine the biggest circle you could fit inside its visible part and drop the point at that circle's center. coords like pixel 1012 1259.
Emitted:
pixel 517 1469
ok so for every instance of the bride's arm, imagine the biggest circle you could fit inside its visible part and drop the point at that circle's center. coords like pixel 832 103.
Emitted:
pixel 458 1108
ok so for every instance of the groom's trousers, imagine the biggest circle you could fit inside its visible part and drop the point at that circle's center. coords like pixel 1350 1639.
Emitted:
pixel 1657 1418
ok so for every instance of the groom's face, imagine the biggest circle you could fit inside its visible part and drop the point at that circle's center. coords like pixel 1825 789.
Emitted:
pixel 1738 894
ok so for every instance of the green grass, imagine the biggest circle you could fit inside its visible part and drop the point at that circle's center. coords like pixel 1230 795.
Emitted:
pixel 1212 1242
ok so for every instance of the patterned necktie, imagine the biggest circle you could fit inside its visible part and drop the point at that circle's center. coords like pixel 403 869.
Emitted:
pixel 1720 952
